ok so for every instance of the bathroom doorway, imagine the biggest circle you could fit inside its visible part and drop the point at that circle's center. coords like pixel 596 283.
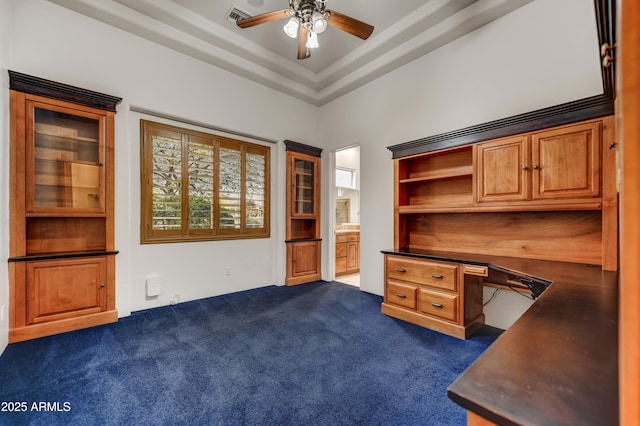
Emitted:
pixel 347 215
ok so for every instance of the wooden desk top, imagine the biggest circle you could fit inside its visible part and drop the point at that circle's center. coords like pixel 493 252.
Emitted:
pixel 558 364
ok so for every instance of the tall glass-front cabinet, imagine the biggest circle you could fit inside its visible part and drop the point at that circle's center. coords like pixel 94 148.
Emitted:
pixel 62 254
pixel 303 213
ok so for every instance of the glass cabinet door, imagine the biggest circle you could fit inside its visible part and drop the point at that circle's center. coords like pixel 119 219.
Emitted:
pixel 65 154
pixel 304 190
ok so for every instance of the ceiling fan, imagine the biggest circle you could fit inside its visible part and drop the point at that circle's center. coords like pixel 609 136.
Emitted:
pixel 307 19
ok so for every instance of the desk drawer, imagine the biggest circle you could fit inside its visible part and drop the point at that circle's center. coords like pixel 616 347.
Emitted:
pixel 401 294
pixel 434 274
pixel 442 305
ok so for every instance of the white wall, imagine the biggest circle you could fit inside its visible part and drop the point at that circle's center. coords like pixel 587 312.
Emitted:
pixel 5 60
pixel 542 54
pixel 57 44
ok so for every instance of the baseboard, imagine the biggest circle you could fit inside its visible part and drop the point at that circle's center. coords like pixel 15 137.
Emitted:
pixel 49 328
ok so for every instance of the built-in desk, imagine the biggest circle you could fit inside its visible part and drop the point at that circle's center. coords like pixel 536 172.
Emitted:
pixel 558 364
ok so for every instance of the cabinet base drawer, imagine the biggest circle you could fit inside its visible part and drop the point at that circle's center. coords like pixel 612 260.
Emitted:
pixel 433 274
pixel 401 294
pixel 442 305
pixel 434 323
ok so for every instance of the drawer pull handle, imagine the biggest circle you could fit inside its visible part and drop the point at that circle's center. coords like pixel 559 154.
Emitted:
pixel 401 270
pixel 438 276
pixel 436 305
pixel 401 296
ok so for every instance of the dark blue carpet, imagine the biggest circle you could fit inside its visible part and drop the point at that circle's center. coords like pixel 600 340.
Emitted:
pixel 319 354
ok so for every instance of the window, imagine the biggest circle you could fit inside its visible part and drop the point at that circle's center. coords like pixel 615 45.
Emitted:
pixel 198 186
pixel 345 178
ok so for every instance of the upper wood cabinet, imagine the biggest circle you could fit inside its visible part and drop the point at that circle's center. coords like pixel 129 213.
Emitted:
pixel 562 163
pixel 65 151
pixel 548 194
pixel 304 185
pixel 566 162
pixel 503 169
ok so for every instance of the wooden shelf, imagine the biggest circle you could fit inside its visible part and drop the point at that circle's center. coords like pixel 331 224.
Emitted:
pixel 64 138
pixel 477 208
pixel 453 172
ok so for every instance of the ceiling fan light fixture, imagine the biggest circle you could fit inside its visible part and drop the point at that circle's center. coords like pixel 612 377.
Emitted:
pixel 312 40
pixel 291 28
pixel 318 22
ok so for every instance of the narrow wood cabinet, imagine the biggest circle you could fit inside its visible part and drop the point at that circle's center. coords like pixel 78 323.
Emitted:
pixel 62 255
pixel 303 241
pixel 347 253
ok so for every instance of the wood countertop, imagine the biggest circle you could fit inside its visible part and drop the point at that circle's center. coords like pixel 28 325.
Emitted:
pixel 558 364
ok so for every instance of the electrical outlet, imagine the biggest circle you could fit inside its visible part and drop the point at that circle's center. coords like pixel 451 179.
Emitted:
pixel 2 313
pixel 175 299
pixel 227 271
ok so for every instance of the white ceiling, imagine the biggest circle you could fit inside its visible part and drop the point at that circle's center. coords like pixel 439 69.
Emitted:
pixel 404 31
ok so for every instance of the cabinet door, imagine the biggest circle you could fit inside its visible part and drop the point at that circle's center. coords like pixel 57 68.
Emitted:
pixel 65 154
pixel 566 162
pixel 60 289
pixel 503 170
pixel 304 186
pixel 303 261
pixel 341 257
pixel 353 256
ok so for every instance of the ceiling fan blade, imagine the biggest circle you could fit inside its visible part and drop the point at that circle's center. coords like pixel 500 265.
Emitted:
pixel 303 50
pixel 350 25
pixel 261 19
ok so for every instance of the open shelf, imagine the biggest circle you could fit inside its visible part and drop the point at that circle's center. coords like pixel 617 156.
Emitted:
pixel 450 163
pixel 437 180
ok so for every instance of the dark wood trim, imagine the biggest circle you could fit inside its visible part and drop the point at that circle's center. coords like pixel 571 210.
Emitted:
pixel 583 109
pixel 557 115
pixel 51 89
pixel 302 240
pixel 302 148
pixel 62 255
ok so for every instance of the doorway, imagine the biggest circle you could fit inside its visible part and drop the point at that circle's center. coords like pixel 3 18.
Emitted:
pixel 346 201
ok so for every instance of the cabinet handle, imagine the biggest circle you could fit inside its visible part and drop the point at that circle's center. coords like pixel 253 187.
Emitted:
pixel 525 168
pixel 101 285
pixel 438 276
pixel 100 164
pixel 94 196
pixel 401 270
pixel 401 296
pixel 536 167
pixel 436 305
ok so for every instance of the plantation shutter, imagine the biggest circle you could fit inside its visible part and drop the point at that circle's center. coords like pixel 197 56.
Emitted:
pixel 166 186
pixel 201 187
pixel 230 187
pixel 201 171
pixel 255 188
